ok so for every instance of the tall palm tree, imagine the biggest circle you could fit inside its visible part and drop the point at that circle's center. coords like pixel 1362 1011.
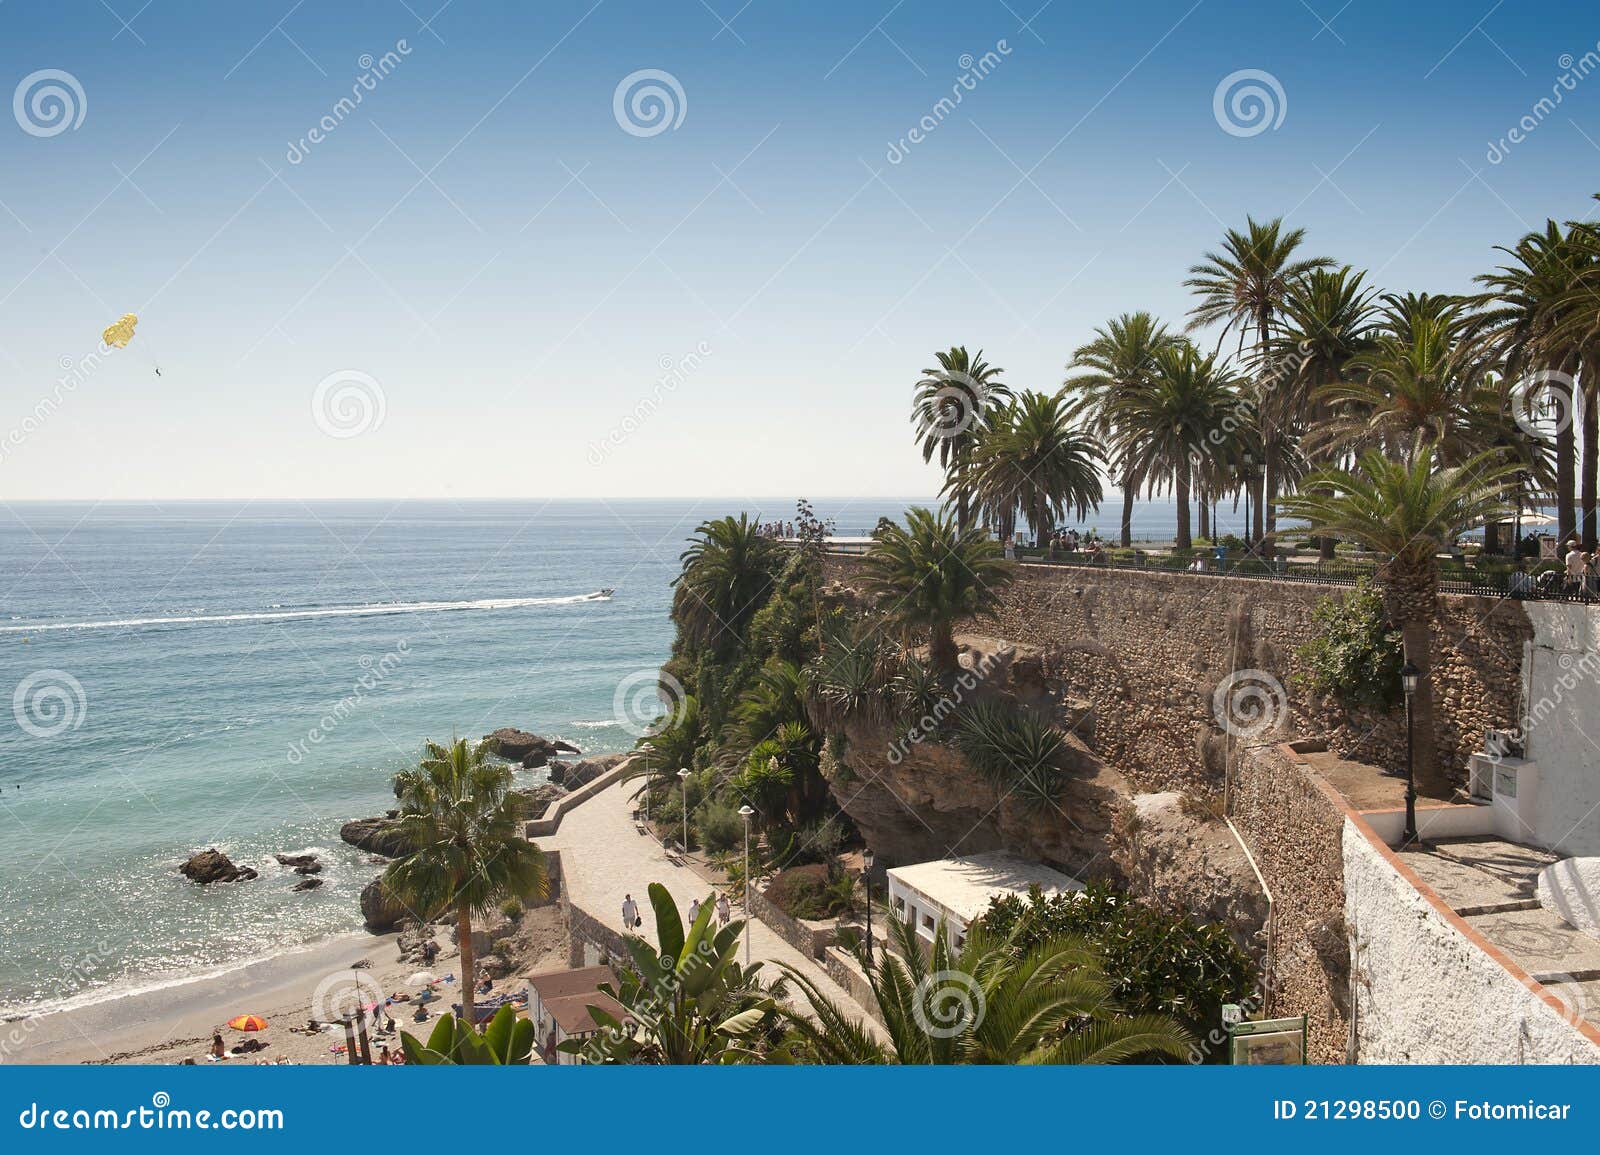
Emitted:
pixel 1243 286
pixel 727 573
pixel 949 409
pixel 1328 318
pixel 1418 381
pixel 1031 458
pixel 927 575
pixel 1534 317
pixel 457 810
pixel 1408 511
pixel 1176 421
pixel 994 1002
pixel 1120 358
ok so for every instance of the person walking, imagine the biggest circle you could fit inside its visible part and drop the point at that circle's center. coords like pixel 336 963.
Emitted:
pixel 630 912
pixel 694 911
pixel 724 910
pixel 1575 567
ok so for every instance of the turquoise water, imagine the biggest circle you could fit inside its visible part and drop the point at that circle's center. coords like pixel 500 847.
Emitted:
pixel 250 676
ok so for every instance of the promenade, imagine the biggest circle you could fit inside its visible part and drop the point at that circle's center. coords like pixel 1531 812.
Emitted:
pixel 604 859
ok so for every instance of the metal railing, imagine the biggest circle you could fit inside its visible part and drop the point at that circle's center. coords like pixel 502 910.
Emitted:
pixel 1545 581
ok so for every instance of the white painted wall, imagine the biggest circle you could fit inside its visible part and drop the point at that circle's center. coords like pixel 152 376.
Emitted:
pixel 1425 993
pixel 1561 719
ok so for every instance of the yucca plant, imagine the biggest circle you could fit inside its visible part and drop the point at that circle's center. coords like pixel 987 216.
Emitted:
pixel 1014 749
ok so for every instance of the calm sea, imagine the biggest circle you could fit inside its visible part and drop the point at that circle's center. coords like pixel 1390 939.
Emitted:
pixel 250 676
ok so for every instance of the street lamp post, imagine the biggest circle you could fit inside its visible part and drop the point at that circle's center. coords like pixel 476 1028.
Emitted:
pixel 745 812
pixel 866 877
pixel 1410 678
pixel 683 776
pixel 647 749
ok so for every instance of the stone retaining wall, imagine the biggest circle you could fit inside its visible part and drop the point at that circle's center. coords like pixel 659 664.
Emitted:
pixel 1148 650
pixel 551 822
pixel 809 938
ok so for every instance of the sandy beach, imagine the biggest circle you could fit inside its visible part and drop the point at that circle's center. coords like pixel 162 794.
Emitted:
pixel 175 1022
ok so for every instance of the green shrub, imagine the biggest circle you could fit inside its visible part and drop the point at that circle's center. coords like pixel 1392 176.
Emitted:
pixel 812 892
pixel 511 908
pixel 1356 655
pixel 719 826
pixel 1157 962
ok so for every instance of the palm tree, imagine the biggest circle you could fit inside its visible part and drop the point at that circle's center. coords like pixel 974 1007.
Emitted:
pixel 991 1003
pixel 1243 287
pixel 950 407
pixel 1120 359
pixel 927 575
pixel 1031 458
pixel 1176 422
pixel 1537 318
pixel 1408 511
pixel 688 999
pixel 1419 381
pixel 1327 319
pixel 457 810
pixel 727 573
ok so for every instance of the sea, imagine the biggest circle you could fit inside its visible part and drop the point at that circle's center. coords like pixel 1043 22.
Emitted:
pixel 251 675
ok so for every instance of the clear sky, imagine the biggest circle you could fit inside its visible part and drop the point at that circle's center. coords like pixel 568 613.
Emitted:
pixel 484 255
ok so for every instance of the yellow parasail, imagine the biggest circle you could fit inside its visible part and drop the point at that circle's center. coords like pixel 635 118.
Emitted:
pixel 121 332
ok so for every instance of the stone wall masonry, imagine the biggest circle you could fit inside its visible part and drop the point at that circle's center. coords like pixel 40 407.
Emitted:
pixel 1149 649
pixel 1295 833
pixel 807 937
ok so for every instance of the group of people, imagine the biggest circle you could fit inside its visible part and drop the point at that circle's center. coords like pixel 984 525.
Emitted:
pixel 1061 541
pixel 780 529
pixel 631 919
pixel 1582 569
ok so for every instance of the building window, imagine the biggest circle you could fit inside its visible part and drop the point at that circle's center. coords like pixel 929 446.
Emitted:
pixel 900 904
pixel 927 922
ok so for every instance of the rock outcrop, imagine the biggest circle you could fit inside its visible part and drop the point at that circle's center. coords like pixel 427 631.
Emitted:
pixel 307 884
pixel 529 749
pixel 573 775
pixel 296 859
pixel 380 909
pixel 534 801
pixel 377 835
pixel 212 865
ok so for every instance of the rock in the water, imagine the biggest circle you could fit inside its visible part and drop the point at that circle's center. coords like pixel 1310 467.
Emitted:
pixel 309 868
pixel 378 835
pixel 558 771
pixel 308 884
pixel 214 866
pixel 529 749
pixel 380 909
pixel 534 802
pixel 296 859
pixel 582 773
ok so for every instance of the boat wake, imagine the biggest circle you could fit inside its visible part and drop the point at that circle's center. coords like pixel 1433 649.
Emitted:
pixel 378 609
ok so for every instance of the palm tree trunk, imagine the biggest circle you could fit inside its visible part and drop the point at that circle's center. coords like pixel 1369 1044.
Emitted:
pixel 1430 776
pixel 1566 451
pixel 1205 513
pixel 1591 455
pixel 1266 514
pixel 1129 487
pixel 942 654
pixel 469 978
pixel 1180 487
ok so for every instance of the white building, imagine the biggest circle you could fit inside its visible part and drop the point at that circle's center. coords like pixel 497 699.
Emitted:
pixel 958 890
pixel 558 1005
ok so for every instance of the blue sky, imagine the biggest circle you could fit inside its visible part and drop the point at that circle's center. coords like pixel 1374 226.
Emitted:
pixel 482 243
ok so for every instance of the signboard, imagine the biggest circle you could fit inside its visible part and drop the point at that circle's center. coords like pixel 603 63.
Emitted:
pixel 1268 1042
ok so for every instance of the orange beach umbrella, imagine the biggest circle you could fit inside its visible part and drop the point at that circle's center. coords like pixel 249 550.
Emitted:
pixel 248 1023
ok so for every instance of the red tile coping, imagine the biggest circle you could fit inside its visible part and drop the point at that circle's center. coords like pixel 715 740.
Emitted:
pixel 1357 819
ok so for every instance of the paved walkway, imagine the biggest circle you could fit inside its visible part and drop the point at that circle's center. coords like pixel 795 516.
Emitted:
pixel 603 859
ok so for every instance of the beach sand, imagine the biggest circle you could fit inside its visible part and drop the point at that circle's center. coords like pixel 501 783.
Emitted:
pixel 175 1022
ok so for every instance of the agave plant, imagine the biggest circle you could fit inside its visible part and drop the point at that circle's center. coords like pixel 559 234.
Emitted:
pixel 1014 749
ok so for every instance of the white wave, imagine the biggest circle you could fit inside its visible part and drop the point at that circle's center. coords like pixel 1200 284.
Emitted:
pixel 371 610
pixel 605 725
